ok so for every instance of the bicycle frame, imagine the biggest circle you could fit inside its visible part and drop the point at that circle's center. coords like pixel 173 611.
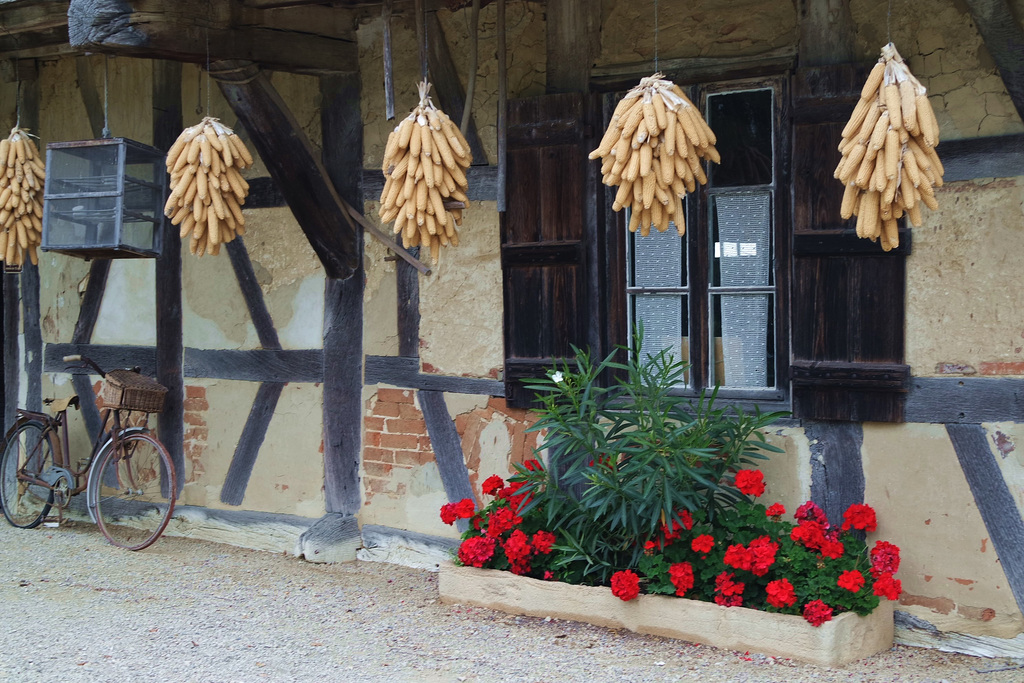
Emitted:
pixel 57 426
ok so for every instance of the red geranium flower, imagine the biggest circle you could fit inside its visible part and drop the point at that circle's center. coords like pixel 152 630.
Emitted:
pixel 775 510
pixel 852 581
pixel 476 551
pixel 625 585
pixel 493 484
pixel 730 591
pixel 832 549
pixel 517 550
pixel 448 515
pixel 888 587
pixel 817 612
pixel 501 520
pixel 703 544
pixel 780 593
pixel 465 508
pixel 809 534
pixel 810 511
pixel 738 556
pixel 750 482
pixel 885 558
pixel 542 541
pixel 762 554
pixel 860 516
pixel 681 576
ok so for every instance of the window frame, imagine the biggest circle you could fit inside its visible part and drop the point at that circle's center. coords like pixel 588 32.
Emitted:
pixel 699 289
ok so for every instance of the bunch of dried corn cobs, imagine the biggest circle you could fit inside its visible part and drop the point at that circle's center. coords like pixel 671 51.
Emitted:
pixel 425 164
pixel 653 150
pixel 22 178
pixel 889 164
pixel 207 190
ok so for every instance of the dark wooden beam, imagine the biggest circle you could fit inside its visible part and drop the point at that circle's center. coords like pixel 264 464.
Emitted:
pixel 30 325
pixel 826 32
pixel 252 365
pixel 450 94
pixel 1000 156
pixel 200 30
pixel 106 356
pixel 444 439
pixel 408 283
pixel 341 122
pixel 837 470
pixel 689 70
pixel 570 34
pixel 1004 39
pixel 294 164
pixel 255 365
pixel 405 372
pixel 248 447
pixel 253 294
pixel 965 399
pixel 994 500
pixel 167 125
pixel 32 29
pixel 12 355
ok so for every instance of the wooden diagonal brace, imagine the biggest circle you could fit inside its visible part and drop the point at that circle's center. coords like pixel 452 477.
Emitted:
pixel 293 163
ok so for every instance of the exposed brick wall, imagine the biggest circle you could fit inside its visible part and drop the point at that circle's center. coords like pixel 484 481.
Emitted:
pixel 196 431
pixel 396 438
pixel 516 420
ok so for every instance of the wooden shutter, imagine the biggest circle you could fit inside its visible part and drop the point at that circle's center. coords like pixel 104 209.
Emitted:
pixel 550 239
pixel 847 294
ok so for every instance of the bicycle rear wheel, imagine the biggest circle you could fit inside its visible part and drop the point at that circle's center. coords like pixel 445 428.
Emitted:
pixel 27 456
pixel 134 490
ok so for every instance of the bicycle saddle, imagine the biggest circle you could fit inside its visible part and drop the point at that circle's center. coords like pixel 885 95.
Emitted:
pixel 58 405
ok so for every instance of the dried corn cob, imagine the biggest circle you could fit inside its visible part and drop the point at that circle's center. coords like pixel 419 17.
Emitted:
pixel 889 164
pixel 425 162
pixel 207 190
pixel 22 178
pixel 651 151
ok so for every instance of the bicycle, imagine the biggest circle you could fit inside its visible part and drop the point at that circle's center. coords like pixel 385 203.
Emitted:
pixel 129 479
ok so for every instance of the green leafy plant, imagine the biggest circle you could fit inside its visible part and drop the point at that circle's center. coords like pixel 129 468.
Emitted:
pixel 649 491
pixel 626 458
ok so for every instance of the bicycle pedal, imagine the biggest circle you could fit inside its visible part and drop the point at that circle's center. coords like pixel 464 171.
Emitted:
pixel 51 523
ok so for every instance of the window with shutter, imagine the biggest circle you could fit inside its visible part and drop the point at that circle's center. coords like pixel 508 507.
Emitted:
pixel 769 292
pixel 716 298
pixel 848 295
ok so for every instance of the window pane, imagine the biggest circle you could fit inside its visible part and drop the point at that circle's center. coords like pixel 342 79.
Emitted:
pixel 659 259
pixel 742 122
pixel 666 325
pixel 741 230
pixel 744 353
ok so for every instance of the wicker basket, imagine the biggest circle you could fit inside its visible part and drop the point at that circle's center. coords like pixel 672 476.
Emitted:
pixel 127 390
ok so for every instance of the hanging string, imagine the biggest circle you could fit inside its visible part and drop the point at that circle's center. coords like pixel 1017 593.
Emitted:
pixel 17 102
pixel 655 36
pixel 106 75
pixel 888 24
pixel 208 65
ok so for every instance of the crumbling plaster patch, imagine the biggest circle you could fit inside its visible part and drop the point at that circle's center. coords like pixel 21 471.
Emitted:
pixel 703 28
pixel 945 51
pixel 925 506
pixel 962 300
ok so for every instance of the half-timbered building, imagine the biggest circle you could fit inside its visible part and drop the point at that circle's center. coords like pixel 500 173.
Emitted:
pixel 329 390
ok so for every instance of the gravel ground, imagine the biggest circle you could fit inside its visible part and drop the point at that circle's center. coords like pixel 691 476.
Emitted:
pixel 77 609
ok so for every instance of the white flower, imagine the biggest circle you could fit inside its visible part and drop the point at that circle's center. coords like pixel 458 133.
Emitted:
pixel 557 377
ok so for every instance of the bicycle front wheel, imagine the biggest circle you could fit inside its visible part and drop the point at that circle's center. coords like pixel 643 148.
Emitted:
pixel 134 490
pixel 25 498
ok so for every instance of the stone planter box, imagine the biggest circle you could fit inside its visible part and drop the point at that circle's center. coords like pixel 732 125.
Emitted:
pixel 846 638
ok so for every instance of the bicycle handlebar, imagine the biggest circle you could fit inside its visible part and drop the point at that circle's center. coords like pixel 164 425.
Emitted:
pixel 78 358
